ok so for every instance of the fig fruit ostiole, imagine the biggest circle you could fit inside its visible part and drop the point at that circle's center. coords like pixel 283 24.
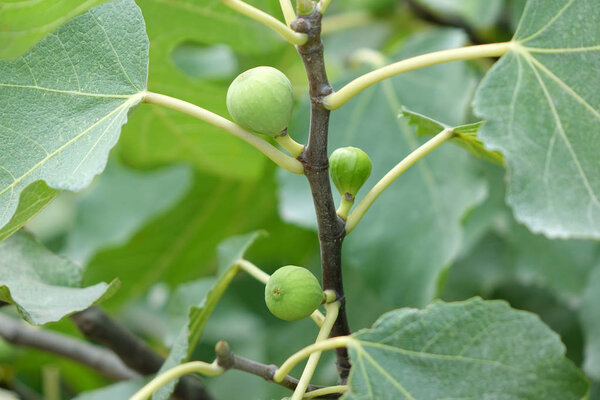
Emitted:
pixel 293 293
pixel 349 167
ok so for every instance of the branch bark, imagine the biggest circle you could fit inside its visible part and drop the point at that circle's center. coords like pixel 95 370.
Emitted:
pixel 100 327
pixel 101 360
pixel 227 360
pixel 316 167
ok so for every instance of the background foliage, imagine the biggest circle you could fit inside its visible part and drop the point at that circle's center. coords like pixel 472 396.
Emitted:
pixel 175 188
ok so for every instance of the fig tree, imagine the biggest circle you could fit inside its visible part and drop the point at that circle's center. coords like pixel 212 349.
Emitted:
pixel 261 100
pixel 293 293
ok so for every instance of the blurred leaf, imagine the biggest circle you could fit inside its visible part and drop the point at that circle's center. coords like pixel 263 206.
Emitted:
pixel 542 112
pixel 413 230
pixel 431 353
pixel 180 245
pixel 205 62
pixel 157 136
pixel 121 390
pixel 466 135
pixel 563 266
pixel 478 14
pixel 229 252
pixel 25 22
pixel 44 287
pixel 34 198
pixel 65 101
pixel 590 318
pixel 119 204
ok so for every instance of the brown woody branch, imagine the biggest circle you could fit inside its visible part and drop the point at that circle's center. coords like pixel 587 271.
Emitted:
pixel 316 166
pixel 100 327
pixel 97 358
pixel 226 359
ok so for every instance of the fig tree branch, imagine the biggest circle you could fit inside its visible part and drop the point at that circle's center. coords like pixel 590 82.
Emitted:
pixel 267 20
pixel 98 326
pixel 284 161
pixel 228 360
pixel 97 358
pixel 345 94
pixel 316 168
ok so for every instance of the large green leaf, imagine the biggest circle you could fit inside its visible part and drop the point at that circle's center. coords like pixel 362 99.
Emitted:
pixel 590 319
pixel 25 22
pixel 413 230
pixel 467 350
pixel 156 136
pixel 229 252
pixel 64 102
pixel 110 213
pixel 542 111
pixel 43 286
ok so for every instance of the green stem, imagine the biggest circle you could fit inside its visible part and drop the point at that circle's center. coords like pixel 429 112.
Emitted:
pixel 329 344
pixel 290 145
pixel 323 4
pixel 326 390
pixel 341 97
pixel 267 20
pixel 399 169
pixel 253 271
pixel 288 11
pixel 331 315
pixel 284 161
pixel 161 380
pixel 344 208
pixel 263 277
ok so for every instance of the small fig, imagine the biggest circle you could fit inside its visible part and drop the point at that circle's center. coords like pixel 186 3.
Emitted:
pixel 350 168
pixel 261 100
pixel 293 293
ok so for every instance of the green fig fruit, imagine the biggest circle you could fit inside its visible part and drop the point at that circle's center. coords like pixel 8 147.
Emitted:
pixel 261 100
pixel 349 168
pixel 293 293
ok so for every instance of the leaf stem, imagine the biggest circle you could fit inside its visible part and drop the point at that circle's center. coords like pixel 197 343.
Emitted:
pixel 267 20
pixel 322 7
pixel 331 315
pixel 290 145
pixel 159 381
pixel 288 11
pixel 283 160
pixel 399 169
pixel 253 271
pixel 326 390
pixel 341 97
pixel 328 344
pixel 263 277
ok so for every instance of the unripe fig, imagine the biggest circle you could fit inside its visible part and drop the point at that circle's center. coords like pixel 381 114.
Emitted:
pixel 261 100
pixel 349 168
pixel 293 293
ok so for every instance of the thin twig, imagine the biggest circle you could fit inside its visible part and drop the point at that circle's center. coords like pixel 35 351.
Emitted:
pixel 100 327
pixel 226 359
pixel 316 167
pixel 97 358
